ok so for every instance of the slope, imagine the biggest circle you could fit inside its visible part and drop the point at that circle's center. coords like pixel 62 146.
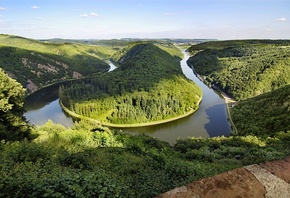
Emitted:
pixel 264 115
pixel 35 64
pixel 243 69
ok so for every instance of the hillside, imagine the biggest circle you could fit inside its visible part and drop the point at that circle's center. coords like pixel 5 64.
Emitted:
pixel 147 86
pixel 265 114
pixel 243 69
pixel 35 64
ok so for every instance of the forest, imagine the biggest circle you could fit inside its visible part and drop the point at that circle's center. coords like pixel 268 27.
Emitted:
pixel 243 69
pixel 147 86
pixel 265 114
pixel 90 160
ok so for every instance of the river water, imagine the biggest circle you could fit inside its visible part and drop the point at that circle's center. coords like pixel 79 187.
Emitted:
pixel 208 121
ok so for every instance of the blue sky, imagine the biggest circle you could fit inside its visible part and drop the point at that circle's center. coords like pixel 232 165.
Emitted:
pixel 105 19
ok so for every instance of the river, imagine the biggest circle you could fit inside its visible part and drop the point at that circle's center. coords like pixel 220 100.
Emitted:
pixel 208 121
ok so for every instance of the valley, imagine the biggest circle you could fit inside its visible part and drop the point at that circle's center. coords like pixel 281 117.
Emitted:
pixel 205 122
pixel 88 159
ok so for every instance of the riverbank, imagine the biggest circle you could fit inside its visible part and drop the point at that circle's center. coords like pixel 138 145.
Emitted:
pixel 228 100
pixel 73 114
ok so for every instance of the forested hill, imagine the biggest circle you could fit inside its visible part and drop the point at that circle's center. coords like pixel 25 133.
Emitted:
pixel 35 64
pixel 243 68
pixel 147 86
pixel 264 115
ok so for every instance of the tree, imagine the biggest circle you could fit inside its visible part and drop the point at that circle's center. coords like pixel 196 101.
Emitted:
pixel 13 125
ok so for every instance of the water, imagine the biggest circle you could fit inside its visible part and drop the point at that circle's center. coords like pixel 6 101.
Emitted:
pixel 208 121
pixel 43 105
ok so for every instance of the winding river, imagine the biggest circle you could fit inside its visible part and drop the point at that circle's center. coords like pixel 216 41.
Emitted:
pixel 208 121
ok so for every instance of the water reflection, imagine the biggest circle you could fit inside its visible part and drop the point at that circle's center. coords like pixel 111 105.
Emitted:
pixel 51 111
pixel 215 126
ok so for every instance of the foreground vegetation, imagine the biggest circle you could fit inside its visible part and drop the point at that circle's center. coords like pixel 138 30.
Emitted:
pixel 243 69
pixel 147 86
pixel 92 161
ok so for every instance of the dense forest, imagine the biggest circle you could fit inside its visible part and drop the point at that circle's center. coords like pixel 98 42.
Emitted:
pixel 89 160
pixel 147 86
pixel 243 69
pixel 267 113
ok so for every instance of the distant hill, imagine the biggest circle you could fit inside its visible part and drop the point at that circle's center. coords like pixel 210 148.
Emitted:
pixel 243 68
pixel 126 41
pixel 147 86
pixel 35 64
pixel 172 40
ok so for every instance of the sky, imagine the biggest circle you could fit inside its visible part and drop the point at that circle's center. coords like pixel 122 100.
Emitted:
pixel 108 19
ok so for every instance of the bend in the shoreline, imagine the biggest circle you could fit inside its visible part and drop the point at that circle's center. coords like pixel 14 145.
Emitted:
pixel 73 114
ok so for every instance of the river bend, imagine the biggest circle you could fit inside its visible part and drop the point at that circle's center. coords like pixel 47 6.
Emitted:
pixel 208 121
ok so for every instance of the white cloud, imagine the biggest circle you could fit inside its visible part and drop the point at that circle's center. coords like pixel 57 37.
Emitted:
pixel 92 14
pixel 281 19
pixel 1 8
pixel 35 7
pixel 41 18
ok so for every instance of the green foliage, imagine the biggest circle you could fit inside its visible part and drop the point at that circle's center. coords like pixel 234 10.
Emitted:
pixel 13 125
pixel 45 63
pixel 235 150
pixel 170 48
pixel 234 43
pixel 73 163
pixel 35 64
pixel 167 46
pixel 147 86
pixel 48 180
pixel 243 69
pixel 265 114
pixel 82 135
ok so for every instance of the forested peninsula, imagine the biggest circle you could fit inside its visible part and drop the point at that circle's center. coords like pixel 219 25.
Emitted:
pixel 147 86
